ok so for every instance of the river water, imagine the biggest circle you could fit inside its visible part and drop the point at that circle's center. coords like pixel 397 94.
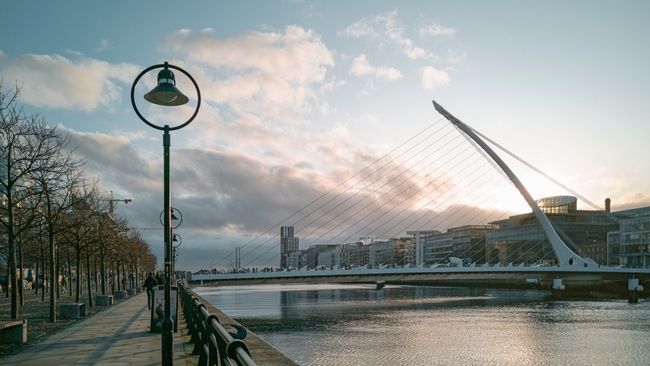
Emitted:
pixel 405 325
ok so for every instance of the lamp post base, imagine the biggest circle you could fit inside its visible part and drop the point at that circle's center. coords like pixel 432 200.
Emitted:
pixel 167 342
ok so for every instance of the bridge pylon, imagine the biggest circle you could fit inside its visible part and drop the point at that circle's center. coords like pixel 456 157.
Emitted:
pixel 565 256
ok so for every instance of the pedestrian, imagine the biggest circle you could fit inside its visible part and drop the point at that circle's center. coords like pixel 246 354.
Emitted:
pixel 150 284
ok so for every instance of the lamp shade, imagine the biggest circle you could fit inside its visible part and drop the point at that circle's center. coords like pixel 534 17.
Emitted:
pixel 166 93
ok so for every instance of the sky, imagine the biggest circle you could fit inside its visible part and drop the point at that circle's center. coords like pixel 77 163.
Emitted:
pixel 299 96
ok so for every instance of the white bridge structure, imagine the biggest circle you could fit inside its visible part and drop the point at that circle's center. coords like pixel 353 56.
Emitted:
pixel 570 272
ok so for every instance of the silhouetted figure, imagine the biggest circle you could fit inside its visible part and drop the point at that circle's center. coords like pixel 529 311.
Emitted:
pixel 150 284
pixel 160 278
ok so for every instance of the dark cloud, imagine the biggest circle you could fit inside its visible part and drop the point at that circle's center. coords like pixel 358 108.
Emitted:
pixel 228 198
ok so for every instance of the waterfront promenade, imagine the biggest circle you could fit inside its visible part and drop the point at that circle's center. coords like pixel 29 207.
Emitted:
pixel 118 335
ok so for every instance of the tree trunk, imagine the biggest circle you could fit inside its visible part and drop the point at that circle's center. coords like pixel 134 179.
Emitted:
pixel 78 277
pixel 113 278
pixel 11 243
pixel 102 265
pixel 124 277
pixel 58 273
pixel 90 292
pixel 13 283
pixel 96 274
pixel 119 283
pixel 21 287
pixel 52 272
pixel 44 270
pixel 36 276
pixel 69 273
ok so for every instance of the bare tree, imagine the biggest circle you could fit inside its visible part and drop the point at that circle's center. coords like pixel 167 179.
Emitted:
pixel 79 227
pixel 58 178
pixel 39 183
pixel 25 149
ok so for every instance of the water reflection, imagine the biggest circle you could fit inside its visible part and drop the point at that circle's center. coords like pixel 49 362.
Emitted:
pixel 404 325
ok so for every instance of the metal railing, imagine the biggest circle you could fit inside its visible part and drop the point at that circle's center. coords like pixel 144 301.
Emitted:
pixel 212 342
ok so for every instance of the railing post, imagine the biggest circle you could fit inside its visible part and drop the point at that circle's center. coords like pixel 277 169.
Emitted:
pixel 213 351
pixel 214 345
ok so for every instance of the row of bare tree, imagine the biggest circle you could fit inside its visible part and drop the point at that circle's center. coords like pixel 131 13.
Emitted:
pixel 54 220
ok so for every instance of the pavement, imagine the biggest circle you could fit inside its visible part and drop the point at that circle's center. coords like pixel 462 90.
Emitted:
pixel 118 335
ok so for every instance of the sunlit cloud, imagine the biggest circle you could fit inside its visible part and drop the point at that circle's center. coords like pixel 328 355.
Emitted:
pixel 58 82
pixel 361 67
pixel 436 30
pixel 433 78
pixel 385 27
pixel 276 74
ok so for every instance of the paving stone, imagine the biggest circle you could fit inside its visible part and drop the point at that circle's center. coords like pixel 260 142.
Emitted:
pixel 116 336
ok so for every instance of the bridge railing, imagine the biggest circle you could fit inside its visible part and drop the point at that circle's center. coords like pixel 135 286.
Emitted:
pixel 212 342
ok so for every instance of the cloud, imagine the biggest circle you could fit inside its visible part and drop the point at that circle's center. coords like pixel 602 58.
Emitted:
pixel 385 26
pixel 116 160
pixel 229 196
pixel 103 45
pixel 295 55
pixel 361 67
pixel 58 82
pixel 433 78
pixel 456 56
pixel 273 72
pixel 436 30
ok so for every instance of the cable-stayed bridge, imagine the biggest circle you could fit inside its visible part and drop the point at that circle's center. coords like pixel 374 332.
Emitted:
pixel 437 179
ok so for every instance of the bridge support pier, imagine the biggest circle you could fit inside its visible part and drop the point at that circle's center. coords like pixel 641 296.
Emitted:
pixel 633 289
pixel 557 288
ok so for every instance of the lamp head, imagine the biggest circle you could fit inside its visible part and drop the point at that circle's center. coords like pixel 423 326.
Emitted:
pixel 166 93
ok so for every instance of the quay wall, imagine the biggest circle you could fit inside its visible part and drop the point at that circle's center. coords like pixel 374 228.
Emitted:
pixel 263 353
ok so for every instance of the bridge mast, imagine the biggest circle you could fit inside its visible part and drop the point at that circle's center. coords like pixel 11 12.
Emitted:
pixel 564 255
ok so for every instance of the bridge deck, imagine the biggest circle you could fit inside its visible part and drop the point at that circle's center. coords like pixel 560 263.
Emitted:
pixel 484 276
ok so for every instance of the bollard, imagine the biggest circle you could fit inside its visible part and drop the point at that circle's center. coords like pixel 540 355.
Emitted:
pixel 633 289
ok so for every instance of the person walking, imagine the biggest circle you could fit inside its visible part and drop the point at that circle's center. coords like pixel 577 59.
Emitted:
pixel 160 278
pixel 150 284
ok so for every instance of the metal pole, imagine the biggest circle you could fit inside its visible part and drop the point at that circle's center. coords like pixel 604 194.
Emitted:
pixel 166 329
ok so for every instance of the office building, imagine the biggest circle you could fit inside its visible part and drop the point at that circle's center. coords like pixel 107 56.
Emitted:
pixel 520 238
pixel 630 245
pixel 288 244
pixel 466 243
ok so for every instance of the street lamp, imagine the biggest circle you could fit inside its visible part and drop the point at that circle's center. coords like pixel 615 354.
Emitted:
pixel 102 259
pixel 177 240
pixel 166 94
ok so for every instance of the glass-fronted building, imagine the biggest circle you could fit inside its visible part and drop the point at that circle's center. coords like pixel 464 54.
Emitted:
pixel 520 238
pixel 630 246
pixel 465 242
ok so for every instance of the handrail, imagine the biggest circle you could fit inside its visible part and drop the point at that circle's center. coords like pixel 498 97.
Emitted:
pixel 212 342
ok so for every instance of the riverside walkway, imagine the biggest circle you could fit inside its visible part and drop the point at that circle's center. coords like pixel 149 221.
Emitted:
pixel 118 335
